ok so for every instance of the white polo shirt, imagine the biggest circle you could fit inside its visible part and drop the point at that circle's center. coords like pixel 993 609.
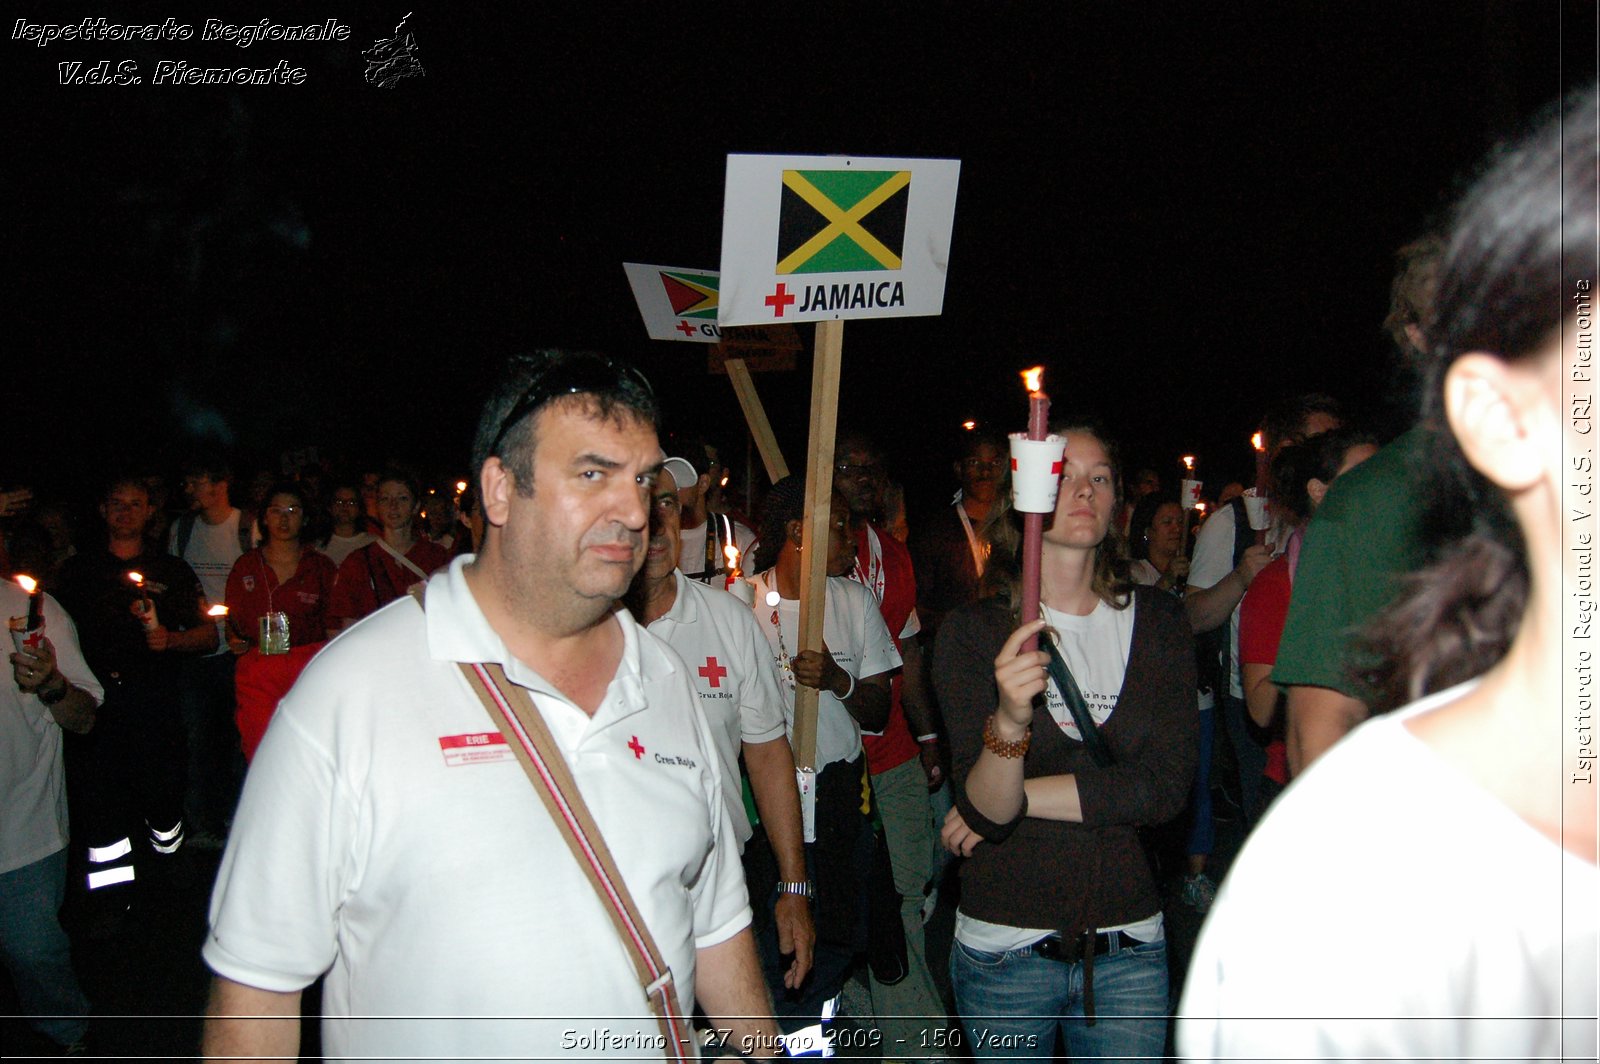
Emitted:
pixel 388 837
pixel 719 641
pixel 858 640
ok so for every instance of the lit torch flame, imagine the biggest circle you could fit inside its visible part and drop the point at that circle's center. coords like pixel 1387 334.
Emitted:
pixel 27 583
pixel 1200 506
pixel 731 553
pixel 1188 462
pixel 217 611
pixel 1033 379
pixel 969 425
pixel 138 580
pixel 461 487
pixel 1257 443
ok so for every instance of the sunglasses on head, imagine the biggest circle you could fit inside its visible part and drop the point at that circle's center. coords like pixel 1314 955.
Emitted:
pixel 578 375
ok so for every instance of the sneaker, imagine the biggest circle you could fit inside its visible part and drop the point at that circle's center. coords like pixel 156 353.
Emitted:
pixel 1199 892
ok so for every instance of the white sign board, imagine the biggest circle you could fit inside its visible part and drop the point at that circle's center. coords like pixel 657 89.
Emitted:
pixel 820 237
pixel 676 304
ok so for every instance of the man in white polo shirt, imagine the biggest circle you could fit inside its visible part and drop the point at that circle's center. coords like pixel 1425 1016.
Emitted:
pixel 727 656
pixel 388 838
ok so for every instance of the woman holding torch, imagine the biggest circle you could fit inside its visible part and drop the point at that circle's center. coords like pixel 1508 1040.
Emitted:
pixel 1060 924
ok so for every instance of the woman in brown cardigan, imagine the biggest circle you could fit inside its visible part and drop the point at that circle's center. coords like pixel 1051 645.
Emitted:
pixel 1060 921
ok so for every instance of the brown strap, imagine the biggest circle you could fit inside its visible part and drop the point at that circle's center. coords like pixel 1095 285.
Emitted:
pixel 513 711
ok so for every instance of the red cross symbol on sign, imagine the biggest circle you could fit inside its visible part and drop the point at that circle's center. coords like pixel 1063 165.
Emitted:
pixel 685 328
pixel 779 299
pixel 636 747
pixel 713 672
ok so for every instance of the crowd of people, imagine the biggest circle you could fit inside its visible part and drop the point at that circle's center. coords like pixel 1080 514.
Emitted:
pixel 350 687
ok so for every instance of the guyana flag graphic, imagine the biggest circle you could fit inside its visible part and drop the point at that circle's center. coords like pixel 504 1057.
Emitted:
pixel 692 295
pixel 842 221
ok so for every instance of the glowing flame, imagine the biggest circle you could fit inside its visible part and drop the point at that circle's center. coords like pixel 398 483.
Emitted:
pixel 969 425
pixel 27 583
pixel 217 611
pixel 731 553
pixel 1188 462
pixel 1033 379
pixel 1256 442
pixel 1200 506
pixel 724 481
pixel 461 487
pixel 138 579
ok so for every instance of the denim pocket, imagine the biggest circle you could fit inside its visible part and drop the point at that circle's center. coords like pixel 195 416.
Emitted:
pixel 982 958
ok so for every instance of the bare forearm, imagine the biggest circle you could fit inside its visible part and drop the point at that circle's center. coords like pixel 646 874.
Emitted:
pixel 247 1022
pixel 1210 607
pixel 995 784
pixel 772 783
pixel 732 992
pixel 199 640
pixel 1260 693
pixel 1054 798
pixel 1318 718
pixel 915 697
pixel 869 702
pixel 75 712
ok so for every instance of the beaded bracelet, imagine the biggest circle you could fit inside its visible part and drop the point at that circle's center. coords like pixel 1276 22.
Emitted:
pixel 1008 748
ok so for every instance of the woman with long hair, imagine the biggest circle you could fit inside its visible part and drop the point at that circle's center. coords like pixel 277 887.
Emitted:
pixel 1461 921
pixel 1060 925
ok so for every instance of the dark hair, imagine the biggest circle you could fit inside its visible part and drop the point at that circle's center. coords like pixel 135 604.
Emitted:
pixel 785 502
pixel 1411 294
pixel 612 389
pixel 1520 251
pixel 400 475
pixel 971 441
pixel 1285 417
pixel 1111 580
pixel 207 464
pixel 1318 458
pixel 1143 516
pixel 285 487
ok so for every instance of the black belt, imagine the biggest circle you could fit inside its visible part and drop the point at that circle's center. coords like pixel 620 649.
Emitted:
pixel 1072 950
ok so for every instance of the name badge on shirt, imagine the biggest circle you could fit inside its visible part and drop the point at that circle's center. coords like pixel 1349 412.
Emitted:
pixel 476 748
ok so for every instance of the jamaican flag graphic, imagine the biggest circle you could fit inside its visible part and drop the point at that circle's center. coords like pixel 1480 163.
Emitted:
pixel 842 221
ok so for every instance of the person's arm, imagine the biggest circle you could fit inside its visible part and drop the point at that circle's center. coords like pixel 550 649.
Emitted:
pixel 244 1021
pixel 1318 718
pixel 1210 607
pixel 1261 696
pixel 36 673
pixel 994 786
pixel 772 783
pixel 201 639
pixel 867 702
pixel 733 994
pixel 916 701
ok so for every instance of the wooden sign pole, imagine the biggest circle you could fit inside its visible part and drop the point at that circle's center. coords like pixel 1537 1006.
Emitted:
pixel 755 416
pixel 814 544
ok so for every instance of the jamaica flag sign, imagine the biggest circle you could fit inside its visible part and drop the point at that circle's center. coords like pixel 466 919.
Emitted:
pixel 817 238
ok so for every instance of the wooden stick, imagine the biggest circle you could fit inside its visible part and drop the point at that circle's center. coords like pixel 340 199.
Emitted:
pixel 814 541
pixel 755 416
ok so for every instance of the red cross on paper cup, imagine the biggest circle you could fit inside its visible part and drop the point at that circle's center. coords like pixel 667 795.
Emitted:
pixel 1036 472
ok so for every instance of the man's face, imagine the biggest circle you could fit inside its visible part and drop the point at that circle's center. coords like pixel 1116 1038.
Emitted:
pixel 126 511
pixel 859 477
pixel 582 532
pixel 661 555
pixel 980 471
pixel 204 492
pixel 345 505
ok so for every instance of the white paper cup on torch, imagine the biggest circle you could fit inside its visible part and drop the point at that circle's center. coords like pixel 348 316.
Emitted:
pixel 1255 507
pixel 1035 472
pixel 23 637
pixel 1190 495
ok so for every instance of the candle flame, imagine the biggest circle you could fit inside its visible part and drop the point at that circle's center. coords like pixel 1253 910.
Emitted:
pixel 1033 379
pixel 969 425
pixel 461 487
pixel 137 578
pixel 1200 506
pixel 731 553
pixel 1188 462
pixel 217 611
pixel 27 583
pixel 1257 442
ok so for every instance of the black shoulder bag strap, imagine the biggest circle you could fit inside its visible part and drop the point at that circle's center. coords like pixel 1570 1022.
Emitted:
pixel 1062 676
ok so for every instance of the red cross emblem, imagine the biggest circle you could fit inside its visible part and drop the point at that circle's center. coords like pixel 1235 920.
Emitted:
pixel 1055 469
pixel 685 328
pixel 713 672
pixel 779 299
pixel 636 747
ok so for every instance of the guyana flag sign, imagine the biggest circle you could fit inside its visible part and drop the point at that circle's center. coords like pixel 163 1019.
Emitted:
pixel 675 303
pixel 812 238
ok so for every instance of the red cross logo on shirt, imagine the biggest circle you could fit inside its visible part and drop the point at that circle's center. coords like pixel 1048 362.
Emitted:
pixel 636 747
pixel 713 672
pixel 779 299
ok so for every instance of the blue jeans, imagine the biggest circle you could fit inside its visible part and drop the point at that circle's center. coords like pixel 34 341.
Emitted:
pixel 36 950
pixel 1012 1003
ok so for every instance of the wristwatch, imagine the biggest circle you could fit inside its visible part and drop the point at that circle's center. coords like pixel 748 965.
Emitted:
pixel 802 888
pixel 51 699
